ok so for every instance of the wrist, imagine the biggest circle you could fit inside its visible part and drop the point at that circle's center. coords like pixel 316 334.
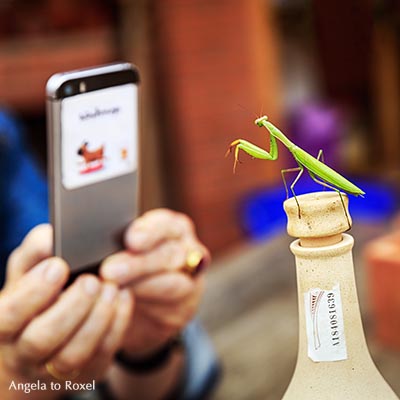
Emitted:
pixel 143 351
pixel 155 384
pixel 149 359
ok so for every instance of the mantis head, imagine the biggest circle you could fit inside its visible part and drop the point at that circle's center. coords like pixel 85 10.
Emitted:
pixel 259 121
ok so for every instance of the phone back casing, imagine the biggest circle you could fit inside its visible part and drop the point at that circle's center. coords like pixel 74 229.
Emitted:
pixel 88 222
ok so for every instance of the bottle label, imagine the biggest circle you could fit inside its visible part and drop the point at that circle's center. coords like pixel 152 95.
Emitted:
pixel 325 325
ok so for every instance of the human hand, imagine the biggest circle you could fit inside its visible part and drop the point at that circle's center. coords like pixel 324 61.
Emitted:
pixel 166 298
pixel 73 330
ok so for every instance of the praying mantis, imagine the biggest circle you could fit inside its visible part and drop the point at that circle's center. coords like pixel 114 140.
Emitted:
pixel 317 169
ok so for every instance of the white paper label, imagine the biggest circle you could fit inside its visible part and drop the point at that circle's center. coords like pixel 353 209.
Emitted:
pixel 325 326
pixel 99 135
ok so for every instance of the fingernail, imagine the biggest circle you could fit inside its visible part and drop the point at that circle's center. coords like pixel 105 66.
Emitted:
pixel 91 285
pixel 116 271
pixel 109 293
pixel 137 239
pixel 53 272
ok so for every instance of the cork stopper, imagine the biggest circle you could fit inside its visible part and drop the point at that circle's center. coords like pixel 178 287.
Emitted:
pixel 322 218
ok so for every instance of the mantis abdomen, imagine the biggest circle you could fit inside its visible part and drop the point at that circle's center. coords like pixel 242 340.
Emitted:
pixel 325 172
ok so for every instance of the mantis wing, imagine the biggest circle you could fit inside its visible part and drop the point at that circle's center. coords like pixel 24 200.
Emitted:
pixel 325 172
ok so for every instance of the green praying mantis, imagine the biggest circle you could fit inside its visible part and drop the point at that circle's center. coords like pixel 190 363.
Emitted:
pixel 317 169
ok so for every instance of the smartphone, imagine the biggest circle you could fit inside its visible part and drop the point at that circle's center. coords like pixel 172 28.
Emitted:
pixel 92 128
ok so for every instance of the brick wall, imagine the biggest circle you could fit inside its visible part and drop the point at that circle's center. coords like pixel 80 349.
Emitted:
pixel 210 58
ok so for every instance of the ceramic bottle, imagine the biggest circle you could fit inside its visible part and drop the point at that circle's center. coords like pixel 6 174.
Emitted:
pixel 333 360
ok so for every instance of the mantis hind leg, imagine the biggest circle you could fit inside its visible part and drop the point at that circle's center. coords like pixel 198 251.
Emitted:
pixel 300 168
pixel 326 185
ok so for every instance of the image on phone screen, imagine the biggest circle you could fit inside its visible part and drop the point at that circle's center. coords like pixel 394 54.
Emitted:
pixel 98 141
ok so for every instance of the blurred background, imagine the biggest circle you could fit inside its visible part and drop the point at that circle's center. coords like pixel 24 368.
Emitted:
pixel 326 72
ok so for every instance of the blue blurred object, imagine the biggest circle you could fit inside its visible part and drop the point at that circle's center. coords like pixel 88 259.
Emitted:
pixel 261 212
pixel 23 201
pixel 379 204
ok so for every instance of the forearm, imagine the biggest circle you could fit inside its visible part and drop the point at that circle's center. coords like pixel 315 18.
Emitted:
pixel 155 385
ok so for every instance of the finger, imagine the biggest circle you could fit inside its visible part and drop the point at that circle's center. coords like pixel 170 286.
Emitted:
pixel 156 226
pixel 165 287
pixel 125 267
pixel 81 347
pixel 170 319
pixel 113 338
pixel 48 331
pixel 30 295
pixel 173 316
pixel 36 246
pixel 115 335
pixel 147 334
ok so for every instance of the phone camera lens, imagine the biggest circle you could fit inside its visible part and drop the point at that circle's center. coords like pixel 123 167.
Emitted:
pixel 68 90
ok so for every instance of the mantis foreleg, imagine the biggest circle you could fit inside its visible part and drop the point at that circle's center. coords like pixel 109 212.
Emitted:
pixel 253 150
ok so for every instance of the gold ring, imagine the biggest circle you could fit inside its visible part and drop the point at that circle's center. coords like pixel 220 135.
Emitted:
pixel 58 375
pixel 195 262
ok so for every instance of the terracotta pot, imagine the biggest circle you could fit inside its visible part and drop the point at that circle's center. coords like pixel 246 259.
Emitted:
pixel 383 265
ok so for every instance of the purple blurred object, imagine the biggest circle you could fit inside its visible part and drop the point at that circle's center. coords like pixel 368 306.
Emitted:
pixel 318 126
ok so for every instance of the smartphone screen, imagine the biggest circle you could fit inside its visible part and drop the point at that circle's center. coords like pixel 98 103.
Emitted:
pixel 98 138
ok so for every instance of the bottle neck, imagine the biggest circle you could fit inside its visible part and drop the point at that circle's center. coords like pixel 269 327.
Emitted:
pixel 329 315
